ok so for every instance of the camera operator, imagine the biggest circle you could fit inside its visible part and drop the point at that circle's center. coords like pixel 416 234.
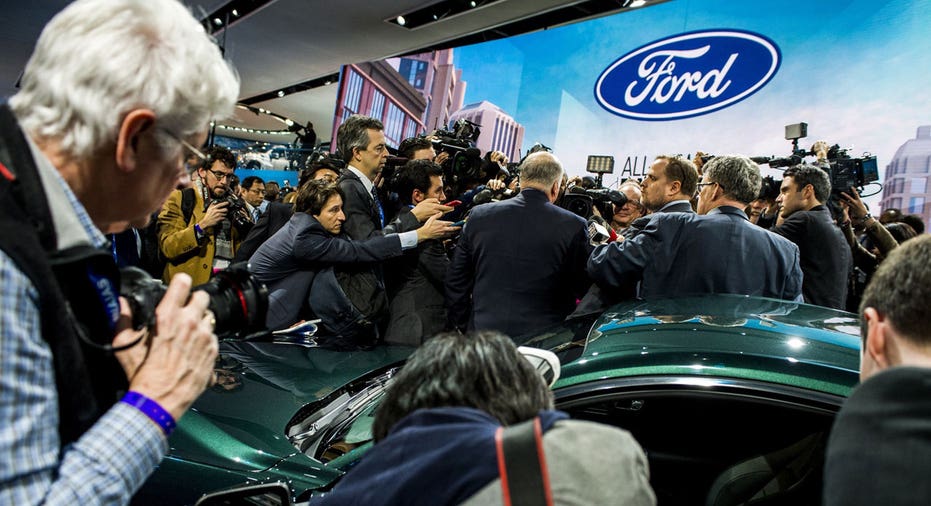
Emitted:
pixel 764 211
pixel 823 253
pixel 199 232
pixel 96 119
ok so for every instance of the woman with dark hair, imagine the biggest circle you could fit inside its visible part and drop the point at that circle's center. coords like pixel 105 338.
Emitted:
pixel 436 431
pixel 297 262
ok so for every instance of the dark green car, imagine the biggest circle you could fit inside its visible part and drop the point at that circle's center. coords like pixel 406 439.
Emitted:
pixel 731 397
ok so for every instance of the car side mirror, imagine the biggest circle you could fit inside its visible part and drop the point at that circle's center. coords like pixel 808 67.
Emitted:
pixel 268 494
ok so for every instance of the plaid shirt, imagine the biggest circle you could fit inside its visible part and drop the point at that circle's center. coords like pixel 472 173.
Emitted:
pixel 109 462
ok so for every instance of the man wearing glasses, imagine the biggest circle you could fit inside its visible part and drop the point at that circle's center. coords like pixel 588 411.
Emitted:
pixel 253 192
pixel 93 142
pixel 716 251
pixel 201 240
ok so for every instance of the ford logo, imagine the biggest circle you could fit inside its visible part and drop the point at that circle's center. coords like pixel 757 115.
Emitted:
pixel 687 75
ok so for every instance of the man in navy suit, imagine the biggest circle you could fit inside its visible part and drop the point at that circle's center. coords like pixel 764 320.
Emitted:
pixel 716 251
pixel 520 263
pixel 668 187
pixel 823 252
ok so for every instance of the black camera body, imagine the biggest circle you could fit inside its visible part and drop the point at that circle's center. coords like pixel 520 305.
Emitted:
pixel 583 201
pixel 465 162
pixel 847 172
pixel 234 211
pixel 238 301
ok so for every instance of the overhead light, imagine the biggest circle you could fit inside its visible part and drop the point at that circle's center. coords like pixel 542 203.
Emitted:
pixel 637 3
pixel 280 93
pixel 442 10
pixel 218 21
pixel 235 13
pixel 289 122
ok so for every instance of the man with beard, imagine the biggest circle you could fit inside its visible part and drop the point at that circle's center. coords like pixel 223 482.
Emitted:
pixel 195 231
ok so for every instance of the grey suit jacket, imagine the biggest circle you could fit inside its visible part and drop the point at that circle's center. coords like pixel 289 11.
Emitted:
pixel 683 253
pixel 289 260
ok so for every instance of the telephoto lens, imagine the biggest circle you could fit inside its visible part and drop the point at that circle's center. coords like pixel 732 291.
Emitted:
pixel 238 301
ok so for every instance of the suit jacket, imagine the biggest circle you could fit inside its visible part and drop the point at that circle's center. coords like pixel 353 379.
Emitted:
pixel 289 261
pixel 824 255
pixel 179 244
pixel 879 450
pixel 683 253
pixel 600 297
pixel 269 222
pixel 522 262
pixel 362 218
pixel 416 308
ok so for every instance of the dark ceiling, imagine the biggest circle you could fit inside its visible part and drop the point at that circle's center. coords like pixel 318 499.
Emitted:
pixel 296 45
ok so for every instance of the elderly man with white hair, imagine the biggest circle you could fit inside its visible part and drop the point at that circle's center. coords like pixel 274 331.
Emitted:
pixel 115 97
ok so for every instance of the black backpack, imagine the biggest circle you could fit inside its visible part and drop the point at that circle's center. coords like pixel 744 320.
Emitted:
pixel 152 260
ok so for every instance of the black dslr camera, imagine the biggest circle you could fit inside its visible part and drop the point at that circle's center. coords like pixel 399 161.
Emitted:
pixel 583 201
pixel 239 302
pixel 234 211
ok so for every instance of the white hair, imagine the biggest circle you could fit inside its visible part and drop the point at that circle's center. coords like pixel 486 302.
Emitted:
pixel 97 60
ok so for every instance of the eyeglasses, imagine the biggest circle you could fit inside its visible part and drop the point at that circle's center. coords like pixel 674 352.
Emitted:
pixel 220 175
pixel 186 145
pixel 702 185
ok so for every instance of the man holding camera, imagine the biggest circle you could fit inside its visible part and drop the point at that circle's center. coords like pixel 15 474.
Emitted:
pixel 199 232
pixel 95 118
pixel 823 252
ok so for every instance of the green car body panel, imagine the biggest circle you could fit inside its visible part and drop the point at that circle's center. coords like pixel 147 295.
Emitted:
pixel 234 437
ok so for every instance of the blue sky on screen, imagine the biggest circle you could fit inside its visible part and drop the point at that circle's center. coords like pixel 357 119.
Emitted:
pixel 857 72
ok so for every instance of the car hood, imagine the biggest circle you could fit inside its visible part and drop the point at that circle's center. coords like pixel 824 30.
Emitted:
pixel 716 335
pixel 241 425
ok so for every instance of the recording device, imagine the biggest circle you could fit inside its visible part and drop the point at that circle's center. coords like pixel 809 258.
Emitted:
pixel 465 161
pixel 769 189
pixel 488 195
pixel 583 201
pixel 234 210
pixel 238 301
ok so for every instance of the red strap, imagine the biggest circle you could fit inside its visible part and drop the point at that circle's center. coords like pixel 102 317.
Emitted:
pixel 502 469
pixel 6 173
pixel 538 435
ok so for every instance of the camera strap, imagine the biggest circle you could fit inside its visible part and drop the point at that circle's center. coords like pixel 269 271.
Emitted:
pixel 522 464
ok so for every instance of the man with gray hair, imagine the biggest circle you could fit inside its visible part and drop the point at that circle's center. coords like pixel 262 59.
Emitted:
pixel 519 264
pixel 114 97
pixel 717 250
pixel 823 252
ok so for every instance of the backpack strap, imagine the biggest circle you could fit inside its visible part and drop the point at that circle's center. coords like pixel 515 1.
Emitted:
pixel 187 204
pixel 522 465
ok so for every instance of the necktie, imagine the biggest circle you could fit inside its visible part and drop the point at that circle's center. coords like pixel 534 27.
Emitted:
pixel 381 211
pixel 255 214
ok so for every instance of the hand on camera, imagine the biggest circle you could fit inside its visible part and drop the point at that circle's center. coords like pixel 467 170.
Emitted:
pixel 174 365
pixel 857 207
pixel 216 213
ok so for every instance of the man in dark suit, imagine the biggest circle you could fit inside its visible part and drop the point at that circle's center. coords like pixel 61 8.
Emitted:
pixel 519 264
pixel 668 187
pixel 361 142
pixel 717 251
pixel 823 252
pixel 416 278
pixel 290 262
pixel 879 451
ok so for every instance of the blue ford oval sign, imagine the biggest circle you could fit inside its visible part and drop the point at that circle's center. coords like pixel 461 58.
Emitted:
pixel 687 75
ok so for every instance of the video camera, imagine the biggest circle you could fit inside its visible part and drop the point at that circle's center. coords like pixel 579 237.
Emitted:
pixel 465 160
pixel 582 201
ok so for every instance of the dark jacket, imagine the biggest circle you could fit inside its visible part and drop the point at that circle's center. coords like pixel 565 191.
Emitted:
pixel 879 451
pixel 461 460
pixel 685 254
pixel 416 305
pixel 289 261
pixel 522 263
pixel 270 221
pixel 823 254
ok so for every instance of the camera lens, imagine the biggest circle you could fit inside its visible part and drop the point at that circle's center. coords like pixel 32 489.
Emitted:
pixel 238 301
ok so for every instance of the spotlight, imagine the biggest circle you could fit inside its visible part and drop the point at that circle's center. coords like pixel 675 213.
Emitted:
pixel 235 13
pixel 401 21
pixel 472 4
pixel 218 21
pixel 637 3
pixel 280 93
